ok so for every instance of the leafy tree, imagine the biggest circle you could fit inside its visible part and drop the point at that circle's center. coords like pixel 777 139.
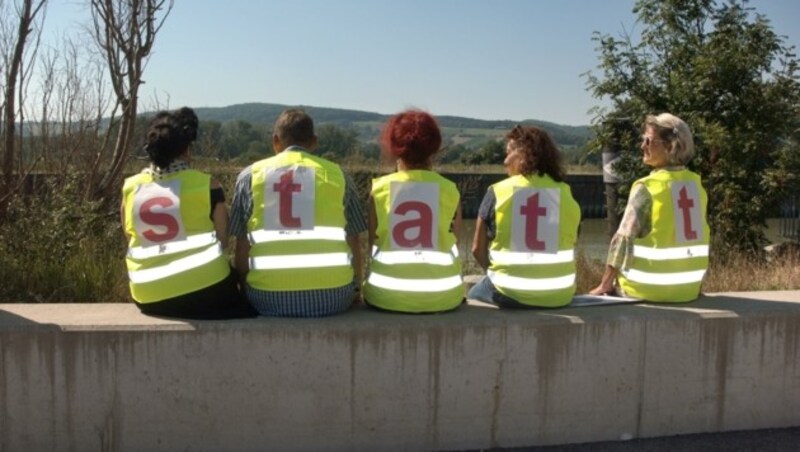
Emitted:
pixel 722 69
pixel 371 152
pixel 453 154
pixel 336 143
pixel 236 138
pixel 493 152
pixel 208 139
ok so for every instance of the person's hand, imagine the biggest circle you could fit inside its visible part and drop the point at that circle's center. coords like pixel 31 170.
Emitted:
pixel 602 289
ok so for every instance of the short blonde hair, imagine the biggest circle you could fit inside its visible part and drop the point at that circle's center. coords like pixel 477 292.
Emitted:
pixel 673 130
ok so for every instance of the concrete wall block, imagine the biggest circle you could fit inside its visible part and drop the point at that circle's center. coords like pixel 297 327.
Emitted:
pixel 104 377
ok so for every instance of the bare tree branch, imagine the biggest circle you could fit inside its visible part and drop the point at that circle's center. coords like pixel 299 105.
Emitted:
pixel 125 31
pixel 14 61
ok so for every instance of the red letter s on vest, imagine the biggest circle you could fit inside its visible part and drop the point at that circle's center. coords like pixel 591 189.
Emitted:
pixel 162 220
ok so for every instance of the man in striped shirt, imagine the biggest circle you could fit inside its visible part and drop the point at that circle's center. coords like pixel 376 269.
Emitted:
pixel 294 132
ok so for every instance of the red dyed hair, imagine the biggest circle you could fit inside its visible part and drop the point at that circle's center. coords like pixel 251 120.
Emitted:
pixel 411 135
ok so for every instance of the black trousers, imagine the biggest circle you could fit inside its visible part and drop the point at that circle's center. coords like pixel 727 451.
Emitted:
pixel 222 300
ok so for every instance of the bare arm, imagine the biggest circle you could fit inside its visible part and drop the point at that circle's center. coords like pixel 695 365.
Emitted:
pixel 122 221
pixel 358 261
pixel 457 224
pixel 219 215
pixel 480 245
pixel 241 254
pixel 372 223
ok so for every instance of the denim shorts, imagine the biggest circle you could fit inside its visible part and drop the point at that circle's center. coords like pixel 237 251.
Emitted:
pixel 485 291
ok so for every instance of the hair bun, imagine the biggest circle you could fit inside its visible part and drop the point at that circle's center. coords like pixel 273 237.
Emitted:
pixel 188 121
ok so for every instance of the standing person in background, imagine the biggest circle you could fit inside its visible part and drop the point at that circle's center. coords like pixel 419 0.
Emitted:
pixel 660 251
pixel 175 221
pixel 527 227
pixel 414 222
pixel 297 219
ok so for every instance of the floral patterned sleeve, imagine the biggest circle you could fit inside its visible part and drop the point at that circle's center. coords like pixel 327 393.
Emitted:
pixel 636 223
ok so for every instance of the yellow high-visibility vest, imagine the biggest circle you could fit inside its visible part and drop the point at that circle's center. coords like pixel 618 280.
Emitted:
pixel 670 262
pixel 415 265
pixel 532 257
pixel 297 228
pixel 173 249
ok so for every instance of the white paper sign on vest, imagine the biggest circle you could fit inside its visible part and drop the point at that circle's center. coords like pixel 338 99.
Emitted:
pixel 157 212
pixel 687 212
pixel 535 217
pixel 414 215
pixel 289 198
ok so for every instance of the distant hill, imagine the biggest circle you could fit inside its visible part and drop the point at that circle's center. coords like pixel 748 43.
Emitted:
pixel 462 130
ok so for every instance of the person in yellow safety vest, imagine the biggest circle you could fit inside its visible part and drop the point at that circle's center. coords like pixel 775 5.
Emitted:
pixel 660 251
pixel 414 222
pixel 527 227
pixel 174 219
pixel 297 219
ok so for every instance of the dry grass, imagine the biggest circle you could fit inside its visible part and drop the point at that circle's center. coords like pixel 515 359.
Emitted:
pixel 735 274
pixel 589 272
pixel 741 273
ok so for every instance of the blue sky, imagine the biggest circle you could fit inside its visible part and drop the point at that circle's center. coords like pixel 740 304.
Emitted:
pixel 502 59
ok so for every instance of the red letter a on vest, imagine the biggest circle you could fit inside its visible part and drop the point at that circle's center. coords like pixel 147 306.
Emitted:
pixel 425 224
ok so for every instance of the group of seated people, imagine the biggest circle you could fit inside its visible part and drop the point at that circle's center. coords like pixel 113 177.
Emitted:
pixel 296 220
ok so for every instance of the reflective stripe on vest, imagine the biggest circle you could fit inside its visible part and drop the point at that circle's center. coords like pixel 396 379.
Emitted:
pixel 299 261
pixel 318 233
pixel 414 285
pixel 520 258
pixel 415 257
pixel 177 266
pixel 531 284
pixel 667 254
pixel 189 243
pixel 664 279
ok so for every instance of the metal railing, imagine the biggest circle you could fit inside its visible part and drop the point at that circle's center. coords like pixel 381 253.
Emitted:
pixel 790 218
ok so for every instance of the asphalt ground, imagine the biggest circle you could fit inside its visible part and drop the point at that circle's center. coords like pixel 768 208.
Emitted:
pixel 770 440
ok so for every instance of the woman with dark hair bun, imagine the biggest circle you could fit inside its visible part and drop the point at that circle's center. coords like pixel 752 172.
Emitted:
pixel 527 227
pixel 414 221
pixel 175 221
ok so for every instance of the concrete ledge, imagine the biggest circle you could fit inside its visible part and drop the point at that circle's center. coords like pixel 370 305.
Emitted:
pixel 103 376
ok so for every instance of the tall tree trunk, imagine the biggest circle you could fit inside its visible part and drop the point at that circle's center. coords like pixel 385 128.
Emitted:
pixel 10 185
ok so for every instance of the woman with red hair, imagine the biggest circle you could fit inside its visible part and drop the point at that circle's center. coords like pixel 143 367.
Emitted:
pixel 414 221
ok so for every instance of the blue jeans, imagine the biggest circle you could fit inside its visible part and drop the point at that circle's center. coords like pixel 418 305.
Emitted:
pixel 484 290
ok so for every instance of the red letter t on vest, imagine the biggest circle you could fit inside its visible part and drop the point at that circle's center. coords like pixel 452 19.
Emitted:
pixel 286 187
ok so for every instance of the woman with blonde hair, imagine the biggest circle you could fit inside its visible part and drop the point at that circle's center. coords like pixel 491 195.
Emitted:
pixel 660 251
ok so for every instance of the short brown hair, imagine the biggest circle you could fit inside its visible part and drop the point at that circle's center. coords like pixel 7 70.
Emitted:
pixel 540 154
pixel 294 127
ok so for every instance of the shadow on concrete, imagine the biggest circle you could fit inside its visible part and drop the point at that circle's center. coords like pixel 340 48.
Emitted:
pixel 10 322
